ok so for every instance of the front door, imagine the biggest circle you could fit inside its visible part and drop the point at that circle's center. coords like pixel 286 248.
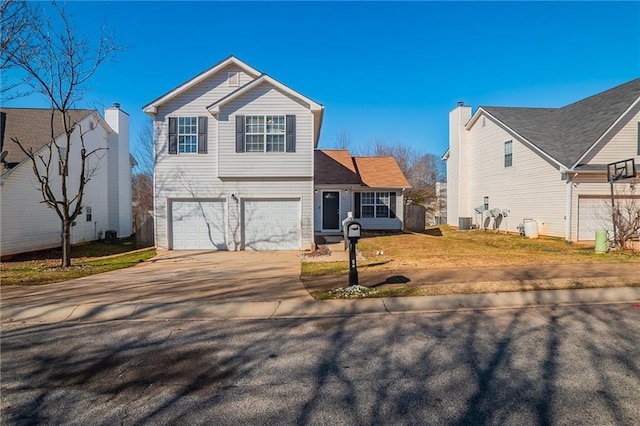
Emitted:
pixel 331 210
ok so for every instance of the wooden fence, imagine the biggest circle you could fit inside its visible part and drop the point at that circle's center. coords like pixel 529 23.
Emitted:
pixel 144 230
pixel 414 218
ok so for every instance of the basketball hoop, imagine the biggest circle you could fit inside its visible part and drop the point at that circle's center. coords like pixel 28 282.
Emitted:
pixel 617 171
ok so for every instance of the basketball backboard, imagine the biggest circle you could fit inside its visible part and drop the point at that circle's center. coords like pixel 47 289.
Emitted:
pixel 621 170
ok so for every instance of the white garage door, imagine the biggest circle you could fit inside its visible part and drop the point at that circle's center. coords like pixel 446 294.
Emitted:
pixel 271 224
pixel 593 214
pixel 198 224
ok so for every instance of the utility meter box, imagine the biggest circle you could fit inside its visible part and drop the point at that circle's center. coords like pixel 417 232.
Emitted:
pixel 353 231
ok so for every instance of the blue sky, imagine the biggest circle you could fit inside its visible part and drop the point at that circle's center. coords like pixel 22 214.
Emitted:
pixel 387 71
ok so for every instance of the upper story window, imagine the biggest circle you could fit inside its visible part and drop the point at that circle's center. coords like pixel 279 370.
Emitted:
pixel 187 134
pixel 375 204
pixel 508 153
pixel 62 164
pixel 265 133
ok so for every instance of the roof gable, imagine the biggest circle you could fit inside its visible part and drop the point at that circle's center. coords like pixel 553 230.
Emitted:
pixel 152 106
pixel 32 127
pixel 334 167
pixel 214 108
pixel 338 167
pixel 567 134
pixel 380 172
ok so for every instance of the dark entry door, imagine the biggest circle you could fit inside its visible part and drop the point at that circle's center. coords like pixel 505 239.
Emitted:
pixel 330 210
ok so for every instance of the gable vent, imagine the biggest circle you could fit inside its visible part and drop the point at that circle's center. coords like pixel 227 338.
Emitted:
pixel 233 79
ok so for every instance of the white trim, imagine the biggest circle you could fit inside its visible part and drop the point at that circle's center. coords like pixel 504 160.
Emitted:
pixel 214 108
pixel 152 107
pixel 514 133
pixel 607 132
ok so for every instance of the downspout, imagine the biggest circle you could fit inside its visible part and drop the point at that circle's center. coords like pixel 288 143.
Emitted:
pixel 459 159
pixel 569 206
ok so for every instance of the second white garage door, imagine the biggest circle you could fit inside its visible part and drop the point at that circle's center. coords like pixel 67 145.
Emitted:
pixel 593 214
pixel 198 224
pixel 271 224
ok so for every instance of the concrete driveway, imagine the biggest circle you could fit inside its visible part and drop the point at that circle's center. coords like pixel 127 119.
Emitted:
pixel 178 277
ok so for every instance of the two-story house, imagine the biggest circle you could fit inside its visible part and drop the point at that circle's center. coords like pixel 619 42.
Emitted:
pixel 544 164
pixel 236 166
pixel 234 162
pixel 26 222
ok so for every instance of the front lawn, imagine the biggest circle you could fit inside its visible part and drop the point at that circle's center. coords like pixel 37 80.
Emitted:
pixel 43 267
pixel 447 248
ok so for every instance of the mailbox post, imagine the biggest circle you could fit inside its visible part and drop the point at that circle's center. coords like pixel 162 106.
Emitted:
pixel 353 233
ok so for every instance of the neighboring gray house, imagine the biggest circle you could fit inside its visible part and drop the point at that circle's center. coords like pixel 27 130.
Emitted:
pixel 545 164
pixel 26 223
pixel 234 162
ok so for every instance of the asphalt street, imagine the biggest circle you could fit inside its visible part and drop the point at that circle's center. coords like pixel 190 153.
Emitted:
pixel 547 365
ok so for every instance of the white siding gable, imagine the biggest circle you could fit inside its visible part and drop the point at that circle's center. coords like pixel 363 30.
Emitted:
pixel 265 100
pixel 622 145
pixel 530 189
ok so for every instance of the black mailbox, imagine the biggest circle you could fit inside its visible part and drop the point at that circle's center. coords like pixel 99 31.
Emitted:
pixel 353 234
pixel 353 231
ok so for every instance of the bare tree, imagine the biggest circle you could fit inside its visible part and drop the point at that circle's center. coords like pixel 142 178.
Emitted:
pixel 626 216
pixel 343 140
pixel 142 179
pixel 57 63
pixel 17 24
pixel 422 170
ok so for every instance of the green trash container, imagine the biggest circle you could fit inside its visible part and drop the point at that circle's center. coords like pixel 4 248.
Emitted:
pixel 601 241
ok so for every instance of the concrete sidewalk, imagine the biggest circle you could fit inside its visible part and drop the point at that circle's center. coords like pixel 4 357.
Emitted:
pixel 304 308
pixel 263 285
pixel 622 273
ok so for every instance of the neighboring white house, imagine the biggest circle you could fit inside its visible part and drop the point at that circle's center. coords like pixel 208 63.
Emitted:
pixel 544 164
pixel 369 187
pixel 26 223
pixel 234 162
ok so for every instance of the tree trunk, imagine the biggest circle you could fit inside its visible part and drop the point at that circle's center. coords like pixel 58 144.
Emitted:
pixel 66 244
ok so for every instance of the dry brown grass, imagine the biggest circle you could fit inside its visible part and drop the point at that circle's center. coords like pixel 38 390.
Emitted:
pixel 447 248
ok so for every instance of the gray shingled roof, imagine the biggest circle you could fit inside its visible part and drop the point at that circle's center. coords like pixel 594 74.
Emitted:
pixel 567 133
pixel 32 127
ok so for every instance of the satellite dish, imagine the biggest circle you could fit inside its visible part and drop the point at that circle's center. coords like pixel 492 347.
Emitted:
pixel 3 156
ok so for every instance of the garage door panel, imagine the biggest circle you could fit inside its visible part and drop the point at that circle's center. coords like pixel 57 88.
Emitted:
pixel 198 225
pixel 593 214
pixel 271 224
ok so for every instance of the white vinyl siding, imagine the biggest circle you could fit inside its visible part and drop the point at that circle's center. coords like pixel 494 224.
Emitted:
pixel 223 172
pixel 621 146
pixel 530 189
pixel 456 162
pixel 262 101
pixel 28 225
